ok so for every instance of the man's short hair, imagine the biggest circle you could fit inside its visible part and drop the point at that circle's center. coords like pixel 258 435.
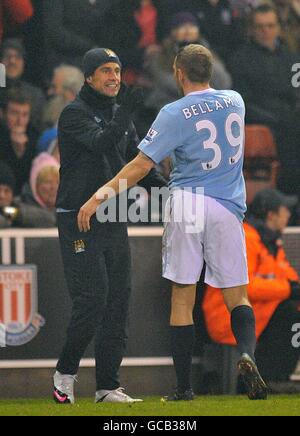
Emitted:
pixel 17 95
pixel 264 8
pixel 197 62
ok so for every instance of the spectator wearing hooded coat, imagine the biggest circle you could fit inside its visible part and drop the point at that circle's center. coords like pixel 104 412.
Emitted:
pixel 41 191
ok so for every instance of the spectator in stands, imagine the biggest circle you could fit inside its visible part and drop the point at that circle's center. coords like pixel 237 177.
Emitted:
pixel 13 13
pixel 14 212
pixel 72 27
pixel 274 289
pixel 184 30
pixel 146 17
pixel 17 137
pixel 65 85
pixel 262 73
pixel 215 17
pixel 66 82
pixel 41 191
pixel 13 57
pixel 289 15
pixel 218 25
pixel 51 114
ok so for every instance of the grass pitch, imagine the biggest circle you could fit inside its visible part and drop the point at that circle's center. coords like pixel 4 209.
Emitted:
pixel 203 406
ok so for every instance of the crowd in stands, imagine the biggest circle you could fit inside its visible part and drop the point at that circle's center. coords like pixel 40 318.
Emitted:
pixel 255 44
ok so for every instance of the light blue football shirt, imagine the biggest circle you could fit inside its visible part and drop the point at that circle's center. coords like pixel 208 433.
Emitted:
pixel 204 134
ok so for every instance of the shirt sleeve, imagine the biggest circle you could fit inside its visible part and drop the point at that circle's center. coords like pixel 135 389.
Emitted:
pixel 163 137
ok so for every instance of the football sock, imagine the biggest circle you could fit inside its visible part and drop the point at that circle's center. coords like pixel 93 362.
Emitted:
pixel 243 327
pixel 182 339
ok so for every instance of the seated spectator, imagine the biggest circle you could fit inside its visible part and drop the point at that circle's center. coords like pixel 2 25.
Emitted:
pixel 13 13
pixel 262 73
pixel 289 16
pixel 41 191
pixel 18 138
pixel 72 27
pixel 66 82
pixel 274 289
pixel 184 30
pixel 15 213
pixel 65 85
pixel 13 57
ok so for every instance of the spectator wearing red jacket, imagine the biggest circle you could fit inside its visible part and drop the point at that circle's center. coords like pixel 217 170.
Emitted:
pixel 14 13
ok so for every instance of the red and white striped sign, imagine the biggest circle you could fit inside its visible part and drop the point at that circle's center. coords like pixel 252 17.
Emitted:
pixel 17 296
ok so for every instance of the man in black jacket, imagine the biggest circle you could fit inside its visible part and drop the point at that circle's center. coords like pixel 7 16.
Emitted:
pixel 96 138
pixel 262 73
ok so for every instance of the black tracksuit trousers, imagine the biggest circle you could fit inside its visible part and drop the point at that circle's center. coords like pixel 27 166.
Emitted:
pixel 98 279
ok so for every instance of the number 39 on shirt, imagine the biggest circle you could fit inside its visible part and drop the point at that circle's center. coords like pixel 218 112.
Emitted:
pixel 210 144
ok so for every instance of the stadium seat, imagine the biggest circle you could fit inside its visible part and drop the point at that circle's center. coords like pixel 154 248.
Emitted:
pixel 261 164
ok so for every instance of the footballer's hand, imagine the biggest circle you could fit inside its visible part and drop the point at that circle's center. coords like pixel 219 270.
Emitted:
pixel 86 212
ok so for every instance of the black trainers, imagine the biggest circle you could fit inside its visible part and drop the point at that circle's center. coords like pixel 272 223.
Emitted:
pixel 188 395
pixel 256 387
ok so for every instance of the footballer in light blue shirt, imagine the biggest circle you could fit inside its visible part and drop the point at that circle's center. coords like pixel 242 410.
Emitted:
pixel 204 134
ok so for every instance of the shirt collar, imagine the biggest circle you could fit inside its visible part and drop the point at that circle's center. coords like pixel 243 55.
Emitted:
pixel 201 92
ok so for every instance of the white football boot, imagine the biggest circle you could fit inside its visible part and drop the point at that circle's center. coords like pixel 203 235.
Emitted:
pixel 64 388
pixel 115 396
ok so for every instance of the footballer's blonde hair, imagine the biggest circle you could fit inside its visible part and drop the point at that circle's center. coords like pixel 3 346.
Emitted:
pixel 197 63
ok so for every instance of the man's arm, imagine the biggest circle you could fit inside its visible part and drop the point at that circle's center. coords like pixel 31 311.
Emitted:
pixel 163 138
pixel 132 173
pixel 154 178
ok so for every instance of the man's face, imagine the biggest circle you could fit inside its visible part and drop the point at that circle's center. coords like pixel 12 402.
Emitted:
pixel 278 221
pixel 188 33
pixel 266 29
pixel 14 63
pixel 107 79
pixel 6 196
pixel 47 190
pixel 17 115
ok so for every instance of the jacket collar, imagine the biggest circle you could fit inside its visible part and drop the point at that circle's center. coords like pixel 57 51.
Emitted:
pixel 95 99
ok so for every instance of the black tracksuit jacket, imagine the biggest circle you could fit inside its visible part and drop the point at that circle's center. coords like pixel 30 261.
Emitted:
pixel 93 149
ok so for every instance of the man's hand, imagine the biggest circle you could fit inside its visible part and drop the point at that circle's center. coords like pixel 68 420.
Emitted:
pixel 86 213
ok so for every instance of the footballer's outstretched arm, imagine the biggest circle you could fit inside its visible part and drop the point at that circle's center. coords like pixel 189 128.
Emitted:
pixel 132 173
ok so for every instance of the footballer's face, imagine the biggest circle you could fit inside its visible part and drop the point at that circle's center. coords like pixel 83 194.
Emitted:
pixel 266 29
pixel 106 79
